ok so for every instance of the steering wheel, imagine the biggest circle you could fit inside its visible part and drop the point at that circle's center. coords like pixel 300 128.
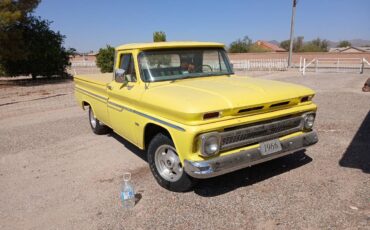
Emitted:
pixel 200 68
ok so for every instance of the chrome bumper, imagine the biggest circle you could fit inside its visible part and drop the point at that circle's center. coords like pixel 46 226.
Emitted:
pixel 225 164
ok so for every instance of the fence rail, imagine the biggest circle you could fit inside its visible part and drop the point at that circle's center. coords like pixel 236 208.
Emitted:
pixel 334 65
pixel 261 64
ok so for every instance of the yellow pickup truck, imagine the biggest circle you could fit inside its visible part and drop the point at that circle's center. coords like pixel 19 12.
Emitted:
pixel 183 104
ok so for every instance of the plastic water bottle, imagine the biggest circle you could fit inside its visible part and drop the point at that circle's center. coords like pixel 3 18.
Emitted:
pixel 127 193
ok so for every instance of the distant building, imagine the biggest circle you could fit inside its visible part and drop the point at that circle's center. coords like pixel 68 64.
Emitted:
pixel 350 49
pixel 84 59
pixel 269 46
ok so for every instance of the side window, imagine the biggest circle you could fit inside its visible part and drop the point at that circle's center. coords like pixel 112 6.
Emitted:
pixel 127 64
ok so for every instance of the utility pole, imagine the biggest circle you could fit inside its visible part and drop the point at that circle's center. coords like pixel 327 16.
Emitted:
pixel 291 34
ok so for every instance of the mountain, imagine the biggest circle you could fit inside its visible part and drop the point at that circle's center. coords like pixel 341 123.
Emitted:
pixel 354 42
pixel 274 42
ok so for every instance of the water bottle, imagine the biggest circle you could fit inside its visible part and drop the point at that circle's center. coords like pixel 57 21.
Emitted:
pixel 127 193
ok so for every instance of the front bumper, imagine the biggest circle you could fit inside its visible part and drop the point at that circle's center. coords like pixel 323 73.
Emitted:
pixel 225 164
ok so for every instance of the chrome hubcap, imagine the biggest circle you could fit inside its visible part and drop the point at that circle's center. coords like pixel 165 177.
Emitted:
pixel 168 163
pixel 92 119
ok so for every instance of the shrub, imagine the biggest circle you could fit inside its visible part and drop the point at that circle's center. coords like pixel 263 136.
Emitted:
pixel 105 59
pixel 159 36
pixel 344 44
pixel 240 45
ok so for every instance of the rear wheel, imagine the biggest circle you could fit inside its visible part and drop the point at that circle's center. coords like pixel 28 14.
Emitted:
pixel 166 166
pixel 97 126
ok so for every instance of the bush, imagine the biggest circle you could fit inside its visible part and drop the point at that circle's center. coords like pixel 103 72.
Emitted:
pixel 297 44
pixel 344 44
pixel 316 45
pixel 159 36
pixel 105 59
pixel 240 45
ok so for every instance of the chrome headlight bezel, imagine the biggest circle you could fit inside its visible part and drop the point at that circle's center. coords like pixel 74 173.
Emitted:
pixel 309 120
pixel 205 139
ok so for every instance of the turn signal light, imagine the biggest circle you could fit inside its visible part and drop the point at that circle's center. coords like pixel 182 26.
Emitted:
pixel 211 115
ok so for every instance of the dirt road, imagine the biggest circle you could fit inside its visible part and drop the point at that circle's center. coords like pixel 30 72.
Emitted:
pixel 56 174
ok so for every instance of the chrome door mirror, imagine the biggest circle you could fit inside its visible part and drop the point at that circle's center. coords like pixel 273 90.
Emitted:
pixel 119 74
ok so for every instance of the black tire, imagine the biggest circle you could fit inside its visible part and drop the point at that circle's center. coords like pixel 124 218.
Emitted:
pixel 184 183
pixel 97 127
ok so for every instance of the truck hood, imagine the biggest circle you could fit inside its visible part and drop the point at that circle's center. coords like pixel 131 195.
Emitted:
pixel 186 101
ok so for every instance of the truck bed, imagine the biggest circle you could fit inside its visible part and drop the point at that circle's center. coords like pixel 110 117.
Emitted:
pixel 100 79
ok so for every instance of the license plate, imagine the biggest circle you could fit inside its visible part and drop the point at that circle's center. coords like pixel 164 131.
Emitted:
pixel 269 147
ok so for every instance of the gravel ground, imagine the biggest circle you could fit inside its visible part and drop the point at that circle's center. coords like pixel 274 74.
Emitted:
pixel 56 174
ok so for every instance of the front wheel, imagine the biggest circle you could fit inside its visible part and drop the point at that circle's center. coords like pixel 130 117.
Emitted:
pixel 97 126
pixel 166 166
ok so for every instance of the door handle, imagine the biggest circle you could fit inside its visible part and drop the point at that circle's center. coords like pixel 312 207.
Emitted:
pixel 109 87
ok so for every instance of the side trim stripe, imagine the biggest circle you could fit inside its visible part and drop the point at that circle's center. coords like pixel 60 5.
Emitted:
pixel 115 106
pixel 91 94
pixel 145 115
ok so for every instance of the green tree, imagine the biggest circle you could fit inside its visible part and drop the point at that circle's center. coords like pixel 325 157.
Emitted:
pixel 105 59
pixel 316 45
pixel 344 43
pixel 159 36
pixel 13 13
pixel 44 52
pixel 285 44
pixel 241 45
pixel 297 44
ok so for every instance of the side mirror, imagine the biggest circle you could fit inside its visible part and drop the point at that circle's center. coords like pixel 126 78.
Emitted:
pixel 119 73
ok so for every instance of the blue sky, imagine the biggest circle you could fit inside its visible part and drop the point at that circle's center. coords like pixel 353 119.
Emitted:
pixel 91 24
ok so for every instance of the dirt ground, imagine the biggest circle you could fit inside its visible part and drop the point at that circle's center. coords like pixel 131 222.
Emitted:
pixel 56 174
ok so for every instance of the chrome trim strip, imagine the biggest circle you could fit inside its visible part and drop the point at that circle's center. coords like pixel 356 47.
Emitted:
pixel 90 93
pixel 121 108
pixel 145 115
pixel 245 158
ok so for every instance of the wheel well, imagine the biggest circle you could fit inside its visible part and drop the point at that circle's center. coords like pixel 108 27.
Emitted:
pixel 151 130
pixel 84 104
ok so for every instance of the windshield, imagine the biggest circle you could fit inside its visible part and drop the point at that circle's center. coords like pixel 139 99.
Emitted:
pixel 173 64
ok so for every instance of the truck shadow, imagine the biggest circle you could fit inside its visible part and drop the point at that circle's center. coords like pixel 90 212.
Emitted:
pixel 357 155
pixel 249 176
pixel 241 178
pixel 135 150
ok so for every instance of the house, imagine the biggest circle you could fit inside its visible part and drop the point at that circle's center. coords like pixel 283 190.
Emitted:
pixel 350 49
pixel 269 46
pixel 84 59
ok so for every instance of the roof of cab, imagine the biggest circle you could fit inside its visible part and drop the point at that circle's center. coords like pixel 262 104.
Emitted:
pixel 159 45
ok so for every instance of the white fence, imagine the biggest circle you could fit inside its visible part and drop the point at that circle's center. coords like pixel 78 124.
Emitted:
pixel 261 64
pixel 334 65
pixel 83 64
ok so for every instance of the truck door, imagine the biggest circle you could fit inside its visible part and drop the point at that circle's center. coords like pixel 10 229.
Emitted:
pixel 123 95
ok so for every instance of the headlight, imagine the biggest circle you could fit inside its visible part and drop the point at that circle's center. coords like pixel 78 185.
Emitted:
pixel 210 144
pixel 309 119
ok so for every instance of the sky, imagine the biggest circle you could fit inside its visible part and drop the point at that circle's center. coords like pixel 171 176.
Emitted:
pixel 92 24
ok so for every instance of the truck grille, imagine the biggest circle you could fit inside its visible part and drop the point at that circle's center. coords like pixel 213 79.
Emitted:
pixel 256 133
